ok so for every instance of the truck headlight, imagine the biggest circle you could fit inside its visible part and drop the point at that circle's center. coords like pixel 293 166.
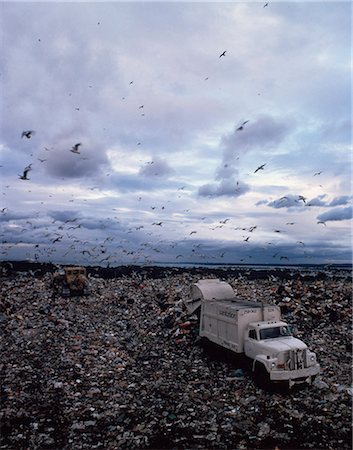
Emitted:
pixel 312 358
pixel 273 365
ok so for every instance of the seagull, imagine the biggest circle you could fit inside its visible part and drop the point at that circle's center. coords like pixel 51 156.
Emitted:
pixel 300 197
pixel 75 148
pixel 223 54
pixel 25 172
pixel 27 134
pixel 322 222
pixel 260 168
pixel 224 221
pixel 317 173
pixel 192 232
pixel 247 239
pixel 266 4
pixel 242 125
pixel 157 223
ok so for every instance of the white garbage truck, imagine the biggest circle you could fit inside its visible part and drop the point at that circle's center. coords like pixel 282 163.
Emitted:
pixel 254 329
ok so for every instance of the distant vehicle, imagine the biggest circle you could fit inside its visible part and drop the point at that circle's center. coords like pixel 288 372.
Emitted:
pixel 71 281
pixel 254 329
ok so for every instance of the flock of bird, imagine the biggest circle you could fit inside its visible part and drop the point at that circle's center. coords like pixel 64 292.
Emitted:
pixel 111 248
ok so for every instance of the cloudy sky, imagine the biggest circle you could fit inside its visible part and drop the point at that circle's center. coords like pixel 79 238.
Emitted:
pixel 208 132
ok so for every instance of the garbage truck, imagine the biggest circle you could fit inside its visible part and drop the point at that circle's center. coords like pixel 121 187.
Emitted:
pixel 255 329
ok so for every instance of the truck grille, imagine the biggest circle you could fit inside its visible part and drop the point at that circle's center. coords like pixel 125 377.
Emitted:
pixel 297 359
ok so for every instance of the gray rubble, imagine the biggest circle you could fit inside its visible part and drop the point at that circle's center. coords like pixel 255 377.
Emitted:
pixel 124 368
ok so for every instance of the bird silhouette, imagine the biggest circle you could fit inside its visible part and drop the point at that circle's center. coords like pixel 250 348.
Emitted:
pixel 300 197
pixel 223 54
pixel 25 172
pixel 317 173
pixel 260 168
pixel 266 4
pixel 75 148
pixel 242 125
pixel 28 134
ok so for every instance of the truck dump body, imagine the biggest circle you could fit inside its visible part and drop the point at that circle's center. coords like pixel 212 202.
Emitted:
pixel 224 322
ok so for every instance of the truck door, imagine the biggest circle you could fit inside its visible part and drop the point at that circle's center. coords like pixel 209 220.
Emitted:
pixel 250 343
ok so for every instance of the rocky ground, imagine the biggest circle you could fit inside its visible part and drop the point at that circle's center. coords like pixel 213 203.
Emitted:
pixel 124 368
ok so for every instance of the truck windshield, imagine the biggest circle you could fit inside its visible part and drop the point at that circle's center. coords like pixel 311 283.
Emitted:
pixel 275 332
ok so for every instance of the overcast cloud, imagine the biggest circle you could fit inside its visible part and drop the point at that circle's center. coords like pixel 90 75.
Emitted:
pixel 182 151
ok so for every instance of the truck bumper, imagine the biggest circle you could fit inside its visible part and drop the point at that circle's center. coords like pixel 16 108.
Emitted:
pixel 295 376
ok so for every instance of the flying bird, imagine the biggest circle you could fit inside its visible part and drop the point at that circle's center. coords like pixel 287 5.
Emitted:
pixel 75 148
pixel 260 168
pixel 157 223
pixel 242 125
pixel 266 4
pixel 28 134
pixel 317 173
pixel 223 54
pixel 322 222
pixel 25 172
pixel 300 197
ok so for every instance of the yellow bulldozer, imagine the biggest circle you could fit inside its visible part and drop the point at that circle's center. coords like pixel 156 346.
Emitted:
pixel 71 281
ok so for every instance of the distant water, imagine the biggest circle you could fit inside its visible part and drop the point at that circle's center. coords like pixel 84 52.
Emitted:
pixel 298 267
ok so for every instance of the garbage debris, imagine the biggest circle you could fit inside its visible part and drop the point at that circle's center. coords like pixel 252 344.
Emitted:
pixel 123 367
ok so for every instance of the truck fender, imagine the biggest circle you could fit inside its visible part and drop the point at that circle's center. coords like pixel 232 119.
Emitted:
pixel 260 374
pixel 258 363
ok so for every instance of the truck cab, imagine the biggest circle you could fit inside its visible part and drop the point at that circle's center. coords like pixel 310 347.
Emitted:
pixel 277 355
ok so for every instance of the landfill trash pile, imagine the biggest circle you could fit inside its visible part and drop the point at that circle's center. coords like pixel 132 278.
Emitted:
pixel 124 367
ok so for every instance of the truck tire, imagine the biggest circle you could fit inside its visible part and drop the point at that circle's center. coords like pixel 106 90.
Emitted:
pixel 261 376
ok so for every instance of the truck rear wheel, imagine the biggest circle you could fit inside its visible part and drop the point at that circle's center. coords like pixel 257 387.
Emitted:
pixel 261 376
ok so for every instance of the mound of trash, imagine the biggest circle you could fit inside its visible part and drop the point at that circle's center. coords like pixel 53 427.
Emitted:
pixel 124 367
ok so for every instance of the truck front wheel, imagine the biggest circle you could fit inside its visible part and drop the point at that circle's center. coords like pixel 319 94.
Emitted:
pixel 261 376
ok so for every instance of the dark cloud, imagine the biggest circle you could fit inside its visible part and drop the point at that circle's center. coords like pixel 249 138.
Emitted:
pixel 287 201
pixel 265 131
pixel 63 216
pixel 317 201
pixel 156 168
pixel 8 216
pixel 336 214
pixel 341 200
pixel 226 187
